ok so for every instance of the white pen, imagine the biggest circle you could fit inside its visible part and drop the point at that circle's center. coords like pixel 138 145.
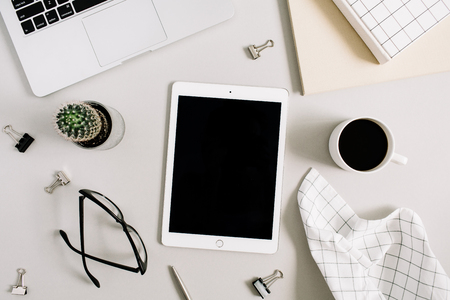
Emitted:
pixel 183 287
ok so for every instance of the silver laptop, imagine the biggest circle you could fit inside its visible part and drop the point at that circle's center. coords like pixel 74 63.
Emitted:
pixel 61 42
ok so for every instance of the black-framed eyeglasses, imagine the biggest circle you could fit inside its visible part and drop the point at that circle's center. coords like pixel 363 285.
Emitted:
pixel 135 240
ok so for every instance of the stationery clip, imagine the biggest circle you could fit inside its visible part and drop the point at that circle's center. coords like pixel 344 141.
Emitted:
pixel 255 51
pixel 262 284
pixel 20 288
pixel 24 139
pixel 61 179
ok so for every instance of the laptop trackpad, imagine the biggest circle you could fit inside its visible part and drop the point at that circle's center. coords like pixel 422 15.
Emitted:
pixel 123 30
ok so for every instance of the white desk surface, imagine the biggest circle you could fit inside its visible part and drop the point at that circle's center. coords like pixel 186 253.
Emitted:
pixel 132 174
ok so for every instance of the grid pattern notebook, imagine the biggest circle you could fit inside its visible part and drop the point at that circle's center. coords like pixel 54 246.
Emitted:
pixel 389 26
pixel 360 259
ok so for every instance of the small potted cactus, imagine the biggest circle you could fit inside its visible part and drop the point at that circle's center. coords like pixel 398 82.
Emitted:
pixel 89 124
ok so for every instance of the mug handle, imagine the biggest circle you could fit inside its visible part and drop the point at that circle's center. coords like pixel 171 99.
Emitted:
pixel 399 159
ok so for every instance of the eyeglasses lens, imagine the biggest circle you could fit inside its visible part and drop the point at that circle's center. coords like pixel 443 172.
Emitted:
pixel 108 204
pixel 138 242
pixel 134 235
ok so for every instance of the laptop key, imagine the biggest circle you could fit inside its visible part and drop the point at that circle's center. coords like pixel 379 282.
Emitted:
pixel 27 26
pixel 39 22
pixel 52 16
pixel 81 5
pixel 49 4
pixel 30 11
pixel 62 1
pixel 65 11
pixel 21 3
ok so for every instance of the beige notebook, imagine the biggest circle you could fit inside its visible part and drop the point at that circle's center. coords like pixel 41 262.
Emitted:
pixel 332 56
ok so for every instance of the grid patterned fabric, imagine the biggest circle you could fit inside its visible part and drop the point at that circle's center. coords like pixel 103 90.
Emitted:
pixel 368 259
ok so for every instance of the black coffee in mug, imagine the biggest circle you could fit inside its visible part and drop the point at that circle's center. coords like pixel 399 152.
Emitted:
pixel 363 144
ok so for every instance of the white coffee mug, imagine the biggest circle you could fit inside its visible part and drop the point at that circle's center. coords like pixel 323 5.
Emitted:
pixel 333 146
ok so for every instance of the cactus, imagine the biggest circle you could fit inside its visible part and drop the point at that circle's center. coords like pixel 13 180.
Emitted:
pixel 77 121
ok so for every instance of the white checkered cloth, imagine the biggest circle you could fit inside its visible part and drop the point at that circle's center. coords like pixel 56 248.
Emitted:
pixel 364 259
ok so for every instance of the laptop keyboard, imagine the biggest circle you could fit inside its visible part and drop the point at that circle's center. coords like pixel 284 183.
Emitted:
pixel 36 15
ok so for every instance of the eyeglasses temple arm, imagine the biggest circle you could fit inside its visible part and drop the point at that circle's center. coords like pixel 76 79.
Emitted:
pixel 110 263
pixel 83 253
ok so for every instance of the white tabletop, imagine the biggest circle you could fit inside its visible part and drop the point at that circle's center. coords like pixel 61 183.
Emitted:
pixel 132 174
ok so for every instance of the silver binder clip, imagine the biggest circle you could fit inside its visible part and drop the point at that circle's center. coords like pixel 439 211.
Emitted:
pixel 255 51
pixel 262 284
pixel 61 179
pixel 20 288
pixel 23 140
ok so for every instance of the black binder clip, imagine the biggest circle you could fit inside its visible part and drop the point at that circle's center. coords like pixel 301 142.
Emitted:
pixel 262 284
pixel 255 51
pixel 24 141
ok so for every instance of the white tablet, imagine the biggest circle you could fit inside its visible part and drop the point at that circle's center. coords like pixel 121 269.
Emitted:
pixel 224 167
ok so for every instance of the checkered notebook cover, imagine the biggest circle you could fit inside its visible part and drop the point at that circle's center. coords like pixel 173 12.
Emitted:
pixel 389 26
pixel 368 259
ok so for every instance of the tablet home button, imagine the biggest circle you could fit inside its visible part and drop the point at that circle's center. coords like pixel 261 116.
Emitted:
pixel 219 243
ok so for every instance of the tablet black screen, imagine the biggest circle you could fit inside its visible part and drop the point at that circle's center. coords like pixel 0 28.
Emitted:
pixel 225 167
